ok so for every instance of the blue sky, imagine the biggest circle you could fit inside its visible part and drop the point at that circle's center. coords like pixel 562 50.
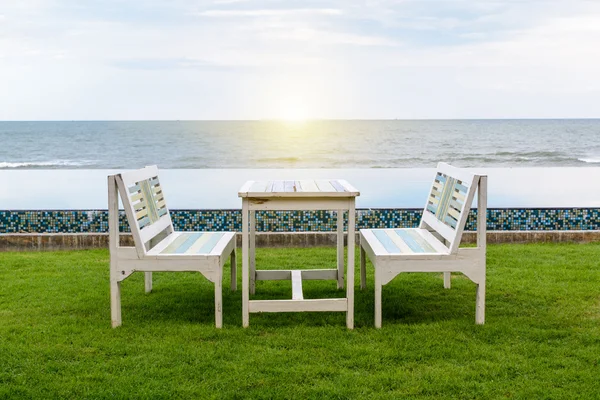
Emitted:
pixel 244 59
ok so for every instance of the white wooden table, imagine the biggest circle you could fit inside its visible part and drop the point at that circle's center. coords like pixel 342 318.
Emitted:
pixel 334 194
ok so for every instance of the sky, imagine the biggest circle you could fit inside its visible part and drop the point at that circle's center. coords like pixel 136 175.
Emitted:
pixel 273 59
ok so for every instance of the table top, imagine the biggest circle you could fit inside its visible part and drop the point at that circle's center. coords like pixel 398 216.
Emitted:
pixel 301 188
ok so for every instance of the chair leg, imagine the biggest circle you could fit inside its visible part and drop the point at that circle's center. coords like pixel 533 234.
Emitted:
pixel 480 303
pixel 115 303
pixel 233 271
pixel 219 299
pixel 447 280
pixel 363 268
pixel 378 288
pixel 148 281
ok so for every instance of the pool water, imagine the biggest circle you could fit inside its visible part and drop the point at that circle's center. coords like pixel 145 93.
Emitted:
pixel 548 187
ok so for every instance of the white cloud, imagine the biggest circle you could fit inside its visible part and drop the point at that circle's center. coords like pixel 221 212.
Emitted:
pixel 343 59
pixel 269 12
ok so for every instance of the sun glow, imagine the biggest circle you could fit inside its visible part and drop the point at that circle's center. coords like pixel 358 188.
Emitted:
pixel 295 98
pixel 294 114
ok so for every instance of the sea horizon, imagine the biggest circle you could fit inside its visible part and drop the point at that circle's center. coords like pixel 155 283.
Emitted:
pixel 302 120
pixel 390 143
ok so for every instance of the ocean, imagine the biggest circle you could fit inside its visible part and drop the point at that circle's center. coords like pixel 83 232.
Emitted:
pixel 330 144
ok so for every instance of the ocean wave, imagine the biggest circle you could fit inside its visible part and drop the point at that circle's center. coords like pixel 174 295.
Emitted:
pixel 595 160
pixel 44 164
pixel 537 154
pixel 279 159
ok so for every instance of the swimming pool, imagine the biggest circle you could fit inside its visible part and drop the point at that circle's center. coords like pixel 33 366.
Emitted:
pixel 380 188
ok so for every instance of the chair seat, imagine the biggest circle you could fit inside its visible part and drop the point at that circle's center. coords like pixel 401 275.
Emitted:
pixel 403 241
pixel 192 243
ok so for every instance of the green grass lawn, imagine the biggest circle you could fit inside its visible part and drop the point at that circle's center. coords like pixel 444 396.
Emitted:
pixel 541 338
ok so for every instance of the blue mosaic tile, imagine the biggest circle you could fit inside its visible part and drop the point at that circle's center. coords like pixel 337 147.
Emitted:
pixel 96 221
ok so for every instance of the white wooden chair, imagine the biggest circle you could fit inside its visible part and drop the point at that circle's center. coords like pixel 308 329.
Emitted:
pixel 157 246
pixel 434 246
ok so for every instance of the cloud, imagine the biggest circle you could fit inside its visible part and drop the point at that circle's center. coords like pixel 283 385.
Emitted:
pixel 324 37
pixel 372 58
pixel 153 64
pixel 230 1
pixel 268 12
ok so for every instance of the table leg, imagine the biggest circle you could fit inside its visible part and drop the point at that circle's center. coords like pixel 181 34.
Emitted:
pixel 252 252
pixel 340 248
pixel 350 273
pixel 245 275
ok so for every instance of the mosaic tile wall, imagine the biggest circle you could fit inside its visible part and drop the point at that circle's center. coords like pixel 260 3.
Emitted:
pixel 96 221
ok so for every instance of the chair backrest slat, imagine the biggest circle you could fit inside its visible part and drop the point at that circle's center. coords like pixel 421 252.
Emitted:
pixel 449 203
pixel 145 205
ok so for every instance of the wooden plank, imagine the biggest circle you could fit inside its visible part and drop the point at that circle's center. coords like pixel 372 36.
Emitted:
pixel 456 204
pixel 159 247
pixel 113 244
pixel 198 244
pixel 259 186
pixel 469 180
pixel 338 187
pixel 243 192
pixel 387 243
pixel 433 241
pixel 136 197
pixel 461 174
pixel 252 253
pixel 340 248
pixel 319 274
pixel 309 186
pixel 144 222
pixel 139 205
pixel 289 186
pixel 404 248
pixel 297 285
pixel 311 305
pixel 415 241
pixel 245 266
pixel 349 188
pixel 435 193
pixel 350 274
pixel 325 186
pixel 223 243
pixel 370 238
pixel 282 203
pixel 130 178
pixel 298 194
pixel 213 239
pixel 438 226
pixel 269 188
pixel 461 188
pixel 453 213
pixel 273 275
pixel 286 274
pixel 141 214
pixel 278 187
pixel 134 189
pixel 459 197
pixel 175 244
pixel 157 227
pixel 192 237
